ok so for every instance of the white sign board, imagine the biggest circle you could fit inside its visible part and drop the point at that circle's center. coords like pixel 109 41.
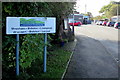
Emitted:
pixel 30 25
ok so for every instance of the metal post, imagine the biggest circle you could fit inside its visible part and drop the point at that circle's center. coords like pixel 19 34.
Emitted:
pixel 85 9
pixel 45 52
pixel 73 21
pixel 73 18
pixel 17 55
pixel 117 12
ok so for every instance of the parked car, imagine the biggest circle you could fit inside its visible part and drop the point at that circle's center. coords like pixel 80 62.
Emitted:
pixel 97 22
pixel 117 25
pixel 100 22
pixel 104 23
pixel 76 23
pixel 110 23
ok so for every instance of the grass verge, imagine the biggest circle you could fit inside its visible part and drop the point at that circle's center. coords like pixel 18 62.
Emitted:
pixel 56 64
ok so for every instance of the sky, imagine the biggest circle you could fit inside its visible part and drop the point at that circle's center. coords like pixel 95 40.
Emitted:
pixel 92 6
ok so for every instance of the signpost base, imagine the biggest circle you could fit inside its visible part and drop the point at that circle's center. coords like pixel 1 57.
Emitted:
pixel 45 52
pixel 17 55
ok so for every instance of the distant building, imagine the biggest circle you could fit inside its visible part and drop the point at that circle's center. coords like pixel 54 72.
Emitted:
pixel 86 20
pixel 86 17
pixel 114 18
pixel 78 17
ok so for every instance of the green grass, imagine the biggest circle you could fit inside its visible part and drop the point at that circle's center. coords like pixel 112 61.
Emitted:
pixel 56 63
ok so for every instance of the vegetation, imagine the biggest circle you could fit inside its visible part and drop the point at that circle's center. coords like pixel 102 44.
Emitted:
pixel 99 17
pixel 56 63
pixel 108 11
pixel 31 46
pixel 88 14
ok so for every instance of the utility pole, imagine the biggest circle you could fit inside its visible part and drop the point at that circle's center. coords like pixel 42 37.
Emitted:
pixel 73 22
pixel 117 12
pixel 85 6
pixel 85 9
pixel 117 9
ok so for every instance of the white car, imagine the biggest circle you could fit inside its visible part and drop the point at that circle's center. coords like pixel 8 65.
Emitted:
pixel 100 22
pixel 117 25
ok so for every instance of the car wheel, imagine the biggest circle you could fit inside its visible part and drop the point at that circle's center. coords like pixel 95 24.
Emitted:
pixel 78 24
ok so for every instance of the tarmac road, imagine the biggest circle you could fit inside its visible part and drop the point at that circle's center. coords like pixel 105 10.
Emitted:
pixel 95 54
pixel 108 36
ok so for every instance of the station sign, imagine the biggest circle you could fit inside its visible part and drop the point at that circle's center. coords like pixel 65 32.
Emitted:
pixel 30 25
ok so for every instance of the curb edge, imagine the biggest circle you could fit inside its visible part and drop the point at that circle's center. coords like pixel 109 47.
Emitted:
pixel 69 61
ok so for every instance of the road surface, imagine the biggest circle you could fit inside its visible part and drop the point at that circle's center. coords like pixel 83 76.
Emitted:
pixel 108 36
pixel 96 53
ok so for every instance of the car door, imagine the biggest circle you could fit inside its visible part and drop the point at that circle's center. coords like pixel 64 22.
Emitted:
pixel 75 23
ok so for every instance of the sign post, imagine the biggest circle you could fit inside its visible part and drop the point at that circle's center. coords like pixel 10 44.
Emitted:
pixel 30 25
pixel 17 55
pixel 73 21
pixel 45 52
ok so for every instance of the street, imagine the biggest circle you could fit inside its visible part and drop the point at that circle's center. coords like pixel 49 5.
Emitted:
pixel 108 36
pixel 96 53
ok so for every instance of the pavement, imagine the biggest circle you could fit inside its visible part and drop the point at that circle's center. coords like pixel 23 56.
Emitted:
pixel 91 60
pixel 70 46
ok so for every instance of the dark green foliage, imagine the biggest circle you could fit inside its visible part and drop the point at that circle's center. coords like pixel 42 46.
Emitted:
pixel 31 46
pixel 56 63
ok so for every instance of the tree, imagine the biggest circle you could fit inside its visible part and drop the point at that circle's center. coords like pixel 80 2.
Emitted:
pixel 109 10
pixel 98 18
pixel 88 14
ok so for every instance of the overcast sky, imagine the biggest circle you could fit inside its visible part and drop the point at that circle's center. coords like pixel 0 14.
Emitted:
pixel 92 6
